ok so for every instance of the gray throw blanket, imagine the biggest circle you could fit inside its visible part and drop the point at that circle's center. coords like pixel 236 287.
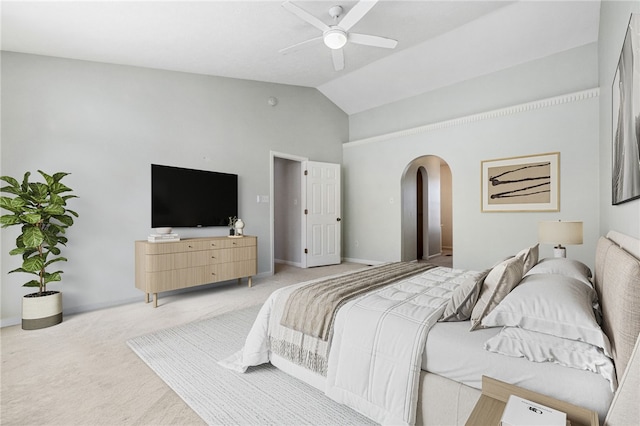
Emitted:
pixel 311 309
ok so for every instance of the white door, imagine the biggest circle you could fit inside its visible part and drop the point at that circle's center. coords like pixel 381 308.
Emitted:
pixel 321 215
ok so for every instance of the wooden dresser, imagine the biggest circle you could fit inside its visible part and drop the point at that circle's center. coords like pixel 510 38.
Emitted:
pixel 186 263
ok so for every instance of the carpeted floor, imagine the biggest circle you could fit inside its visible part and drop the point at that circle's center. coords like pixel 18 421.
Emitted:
pixel 185 357
pixel 81 372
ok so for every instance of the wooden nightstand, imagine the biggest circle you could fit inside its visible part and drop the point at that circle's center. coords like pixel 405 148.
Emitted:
pixel 495 394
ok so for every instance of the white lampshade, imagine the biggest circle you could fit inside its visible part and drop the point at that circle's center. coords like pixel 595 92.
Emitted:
pixel 559 233
pixel 335 38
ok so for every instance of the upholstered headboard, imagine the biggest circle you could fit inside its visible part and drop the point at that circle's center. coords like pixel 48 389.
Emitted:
pixel 617 281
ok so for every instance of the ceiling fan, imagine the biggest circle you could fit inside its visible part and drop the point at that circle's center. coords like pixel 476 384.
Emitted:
pixel 337 35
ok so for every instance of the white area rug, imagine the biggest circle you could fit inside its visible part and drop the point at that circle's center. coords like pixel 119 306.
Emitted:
pixel 185 357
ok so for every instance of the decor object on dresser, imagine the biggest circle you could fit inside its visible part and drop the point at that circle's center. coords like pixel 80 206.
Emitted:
pixel 239 226
pixel 40 209
pixel 527 183
pixel 559 233
pixel 191 262
pixel 625 93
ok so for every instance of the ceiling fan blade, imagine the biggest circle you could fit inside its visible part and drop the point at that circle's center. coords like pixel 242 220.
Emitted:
pixel 305 16
pixel 356 13
pixel 301 45
pixel 338 59
pixel 371 40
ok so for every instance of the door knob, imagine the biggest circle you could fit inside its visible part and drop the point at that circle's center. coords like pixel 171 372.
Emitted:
pixel 338 219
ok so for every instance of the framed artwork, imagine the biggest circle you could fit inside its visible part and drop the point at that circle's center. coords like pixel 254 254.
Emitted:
pixel 521 184
pixel 625 93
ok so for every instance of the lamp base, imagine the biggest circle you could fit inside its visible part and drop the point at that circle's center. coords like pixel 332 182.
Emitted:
pixel 559 251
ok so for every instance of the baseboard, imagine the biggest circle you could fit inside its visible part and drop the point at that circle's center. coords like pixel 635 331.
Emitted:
pixel 9 322
pixel 363 261
pixel 288 262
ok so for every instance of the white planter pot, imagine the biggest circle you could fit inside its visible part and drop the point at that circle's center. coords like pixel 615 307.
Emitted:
pixel 42 311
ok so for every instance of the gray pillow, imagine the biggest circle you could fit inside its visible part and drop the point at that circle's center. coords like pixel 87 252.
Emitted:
pixel 529 257
pixel 498 283
pixel 464 299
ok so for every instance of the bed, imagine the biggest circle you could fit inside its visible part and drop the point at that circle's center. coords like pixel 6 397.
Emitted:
pixel 408 343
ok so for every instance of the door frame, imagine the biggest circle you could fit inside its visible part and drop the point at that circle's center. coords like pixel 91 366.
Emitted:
pixel 272 156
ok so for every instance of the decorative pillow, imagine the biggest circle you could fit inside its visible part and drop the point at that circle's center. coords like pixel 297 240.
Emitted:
pixel 464 298
pixel 540 347
pixel 551 304
pixel 529 257
pixel 498 283
pixel 562 266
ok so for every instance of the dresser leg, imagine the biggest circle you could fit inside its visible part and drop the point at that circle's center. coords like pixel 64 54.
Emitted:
pixel 155 300
pixel 249 281
pixel 146 298
pixel 239 281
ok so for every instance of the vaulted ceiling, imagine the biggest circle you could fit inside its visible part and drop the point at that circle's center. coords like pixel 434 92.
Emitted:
pixel 439 42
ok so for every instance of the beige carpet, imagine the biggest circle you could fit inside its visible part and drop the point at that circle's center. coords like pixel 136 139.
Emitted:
pixel 81 372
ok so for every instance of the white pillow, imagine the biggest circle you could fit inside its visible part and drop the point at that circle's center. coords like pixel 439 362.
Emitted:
pixel 540 347
pixel 464 298
pixel 529 257
pixel 562 266
pixel 551 304
pixel 499 282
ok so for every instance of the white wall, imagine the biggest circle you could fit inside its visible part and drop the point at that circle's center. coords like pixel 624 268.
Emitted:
pixel 374 166
pixel 106 124
pixel 614 18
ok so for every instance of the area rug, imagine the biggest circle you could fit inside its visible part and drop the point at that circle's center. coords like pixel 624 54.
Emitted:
pixel 185 357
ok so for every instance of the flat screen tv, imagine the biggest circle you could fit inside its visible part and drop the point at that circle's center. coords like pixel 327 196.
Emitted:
pixel 192 198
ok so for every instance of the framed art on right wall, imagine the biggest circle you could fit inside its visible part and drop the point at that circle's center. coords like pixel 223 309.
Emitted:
pixel 625 93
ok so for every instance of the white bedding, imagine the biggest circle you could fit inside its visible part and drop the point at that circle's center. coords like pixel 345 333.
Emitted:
pixel 457 354
pixel 451 351
pixel 411 304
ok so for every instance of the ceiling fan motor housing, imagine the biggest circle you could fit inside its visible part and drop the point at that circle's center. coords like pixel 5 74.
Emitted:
pixel 335 11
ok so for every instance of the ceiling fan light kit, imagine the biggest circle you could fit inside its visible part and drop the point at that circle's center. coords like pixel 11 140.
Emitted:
pixel 336 36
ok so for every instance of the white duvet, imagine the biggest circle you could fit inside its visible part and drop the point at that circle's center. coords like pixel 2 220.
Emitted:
pixel 376 353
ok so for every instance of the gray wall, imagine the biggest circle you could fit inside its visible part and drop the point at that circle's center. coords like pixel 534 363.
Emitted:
pixel 374 166
pixel 614 18
pixel 106 124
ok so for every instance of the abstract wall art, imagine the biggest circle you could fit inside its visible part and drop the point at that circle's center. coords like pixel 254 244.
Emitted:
pixel 527 183
pixel 625 172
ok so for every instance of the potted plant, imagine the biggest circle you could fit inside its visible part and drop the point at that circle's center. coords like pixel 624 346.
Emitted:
pixel 39 208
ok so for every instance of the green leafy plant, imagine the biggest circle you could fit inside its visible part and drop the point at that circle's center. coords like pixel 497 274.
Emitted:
pixel 40 209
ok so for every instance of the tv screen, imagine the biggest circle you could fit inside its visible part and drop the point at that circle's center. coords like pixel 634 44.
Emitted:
pixel 192 198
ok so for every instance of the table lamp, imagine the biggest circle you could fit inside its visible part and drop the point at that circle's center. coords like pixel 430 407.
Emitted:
pixel 558 232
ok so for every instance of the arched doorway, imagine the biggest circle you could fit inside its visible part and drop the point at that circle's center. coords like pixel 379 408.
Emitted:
pixel 426 209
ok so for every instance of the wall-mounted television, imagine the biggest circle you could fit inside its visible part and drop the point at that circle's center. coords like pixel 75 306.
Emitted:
pixel 192 198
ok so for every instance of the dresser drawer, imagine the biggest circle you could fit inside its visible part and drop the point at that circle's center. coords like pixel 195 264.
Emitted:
pixel 177 247
pixel 231 270
pixel 180 278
